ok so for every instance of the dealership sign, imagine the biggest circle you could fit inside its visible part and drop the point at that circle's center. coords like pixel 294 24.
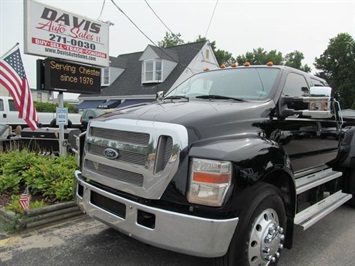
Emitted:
pixel 60 75
pixel 52 32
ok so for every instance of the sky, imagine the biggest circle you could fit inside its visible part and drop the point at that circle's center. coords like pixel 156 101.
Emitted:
pixel 237 26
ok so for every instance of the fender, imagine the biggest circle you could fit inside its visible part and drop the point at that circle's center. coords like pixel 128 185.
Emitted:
pixel 253 156
pixel 256 160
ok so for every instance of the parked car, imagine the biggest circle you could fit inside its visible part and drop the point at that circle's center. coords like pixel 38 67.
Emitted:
pixel 9 115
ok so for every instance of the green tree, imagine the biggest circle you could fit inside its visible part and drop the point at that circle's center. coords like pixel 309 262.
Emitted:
pixel 260 57
pixel 171 39
pixel 224 57
pixel 337 66
pixel 203 39
pixel 294 59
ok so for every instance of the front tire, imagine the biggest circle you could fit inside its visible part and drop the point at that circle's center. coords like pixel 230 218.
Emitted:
pixel 259 236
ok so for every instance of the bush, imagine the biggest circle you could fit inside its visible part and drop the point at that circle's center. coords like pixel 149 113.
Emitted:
pixel 46 176
pixel 13 167
pixel 51 107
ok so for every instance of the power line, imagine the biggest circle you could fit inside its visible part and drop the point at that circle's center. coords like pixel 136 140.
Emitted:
pixel 161 49
pixel 209 24
pixel 159 18
pixel 132 22
pixel 102 9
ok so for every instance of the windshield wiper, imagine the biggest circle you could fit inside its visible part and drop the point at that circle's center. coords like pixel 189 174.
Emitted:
pixel 177 97
pixel 219 97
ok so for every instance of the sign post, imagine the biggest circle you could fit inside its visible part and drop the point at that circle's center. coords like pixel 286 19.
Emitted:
pixel 61 122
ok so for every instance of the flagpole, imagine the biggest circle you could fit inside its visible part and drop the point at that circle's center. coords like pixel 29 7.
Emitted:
pixel 9 51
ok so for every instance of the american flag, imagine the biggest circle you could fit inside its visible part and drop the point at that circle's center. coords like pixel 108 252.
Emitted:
pixel 13 78
pixel 25 200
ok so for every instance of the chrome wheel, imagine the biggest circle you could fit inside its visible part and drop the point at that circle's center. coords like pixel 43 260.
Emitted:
pixel 266 239
pixel 259 236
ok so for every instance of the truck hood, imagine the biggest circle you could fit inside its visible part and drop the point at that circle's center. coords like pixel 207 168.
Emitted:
pixel 205 119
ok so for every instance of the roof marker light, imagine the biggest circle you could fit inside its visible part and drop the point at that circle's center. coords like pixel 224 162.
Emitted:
pixel 270 63
pixel 246 64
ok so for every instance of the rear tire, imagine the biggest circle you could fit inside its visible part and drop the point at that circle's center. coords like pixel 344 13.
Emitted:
pixel 259 236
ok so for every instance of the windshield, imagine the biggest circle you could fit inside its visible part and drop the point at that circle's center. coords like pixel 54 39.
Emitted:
pixel 237 83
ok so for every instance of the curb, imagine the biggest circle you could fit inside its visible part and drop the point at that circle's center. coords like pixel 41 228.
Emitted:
pixel 41 216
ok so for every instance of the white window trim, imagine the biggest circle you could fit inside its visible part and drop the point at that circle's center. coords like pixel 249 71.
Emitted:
pixel 154 79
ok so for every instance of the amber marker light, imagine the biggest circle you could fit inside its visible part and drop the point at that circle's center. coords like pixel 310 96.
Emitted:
pixel 210 178
pixel 246 64
pixel 270 63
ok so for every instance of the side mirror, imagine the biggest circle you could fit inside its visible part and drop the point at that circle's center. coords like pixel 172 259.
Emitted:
pixel 318 101
pixel 320 91
pixel 159 96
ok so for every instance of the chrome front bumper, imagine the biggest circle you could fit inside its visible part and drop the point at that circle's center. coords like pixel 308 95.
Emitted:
pixel 174 231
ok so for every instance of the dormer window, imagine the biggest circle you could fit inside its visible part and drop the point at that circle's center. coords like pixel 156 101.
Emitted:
pixel 152 71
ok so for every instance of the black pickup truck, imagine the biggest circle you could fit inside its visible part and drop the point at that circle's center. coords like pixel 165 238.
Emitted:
pixel 223 166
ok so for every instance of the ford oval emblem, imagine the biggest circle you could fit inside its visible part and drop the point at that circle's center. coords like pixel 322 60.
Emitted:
pixel 111 154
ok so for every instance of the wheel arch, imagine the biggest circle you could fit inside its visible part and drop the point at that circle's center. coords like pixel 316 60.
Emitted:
pixel 346 154
pixel 284 181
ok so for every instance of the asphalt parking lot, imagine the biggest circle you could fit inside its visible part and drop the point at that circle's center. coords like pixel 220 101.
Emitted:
pixel 83 241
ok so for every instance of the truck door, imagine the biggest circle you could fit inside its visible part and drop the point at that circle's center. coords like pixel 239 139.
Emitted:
pixel 311 141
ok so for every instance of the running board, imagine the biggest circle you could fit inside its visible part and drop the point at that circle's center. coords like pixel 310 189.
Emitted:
pixel 314 213
pixel 315 179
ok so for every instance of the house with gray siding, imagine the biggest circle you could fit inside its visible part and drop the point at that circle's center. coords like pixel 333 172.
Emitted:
pixel 137 77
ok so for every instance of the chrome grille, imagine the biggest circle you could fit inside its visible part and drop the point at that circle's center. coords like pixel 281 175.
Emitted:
pixel 120 135
pixel 148 155
pixel 125 156
pixel 168 150
pixel 115 173
pixel 163 152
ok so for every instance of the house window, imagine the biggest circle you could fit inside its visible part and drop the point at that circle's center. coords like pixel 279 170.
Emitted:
pixel 207 54
pixel 152 71
pixel 105 76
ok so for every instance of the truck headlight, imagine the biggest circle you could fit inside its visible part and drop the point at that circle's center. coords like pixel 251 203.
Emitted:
pixel 209 181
